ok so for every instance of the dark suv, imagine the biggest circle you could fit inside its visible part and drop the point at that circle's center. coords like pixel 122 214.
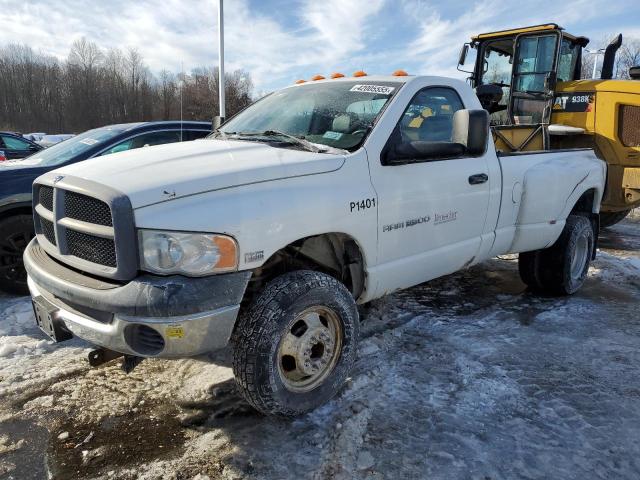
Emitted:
pixel 16 178
pixel 16 146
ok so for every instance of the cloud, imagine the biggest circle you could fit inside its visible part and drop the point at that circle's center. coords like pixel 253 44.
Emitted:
pixel 170 32
pixel 277 41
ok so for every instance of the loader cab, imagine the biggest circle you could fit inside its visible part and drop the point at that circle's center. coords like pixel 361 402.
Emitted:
pixel 515 76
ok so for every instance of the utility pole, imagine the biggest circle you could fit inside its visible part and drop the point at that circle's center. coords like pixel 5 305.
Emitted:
pixel 595 54
pixel 220 118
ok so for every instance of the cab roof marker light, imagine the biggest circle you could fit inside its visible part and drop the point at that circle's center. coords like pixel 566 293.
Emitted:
pixel 298 82
pixel 400 73
pixel 337 75
pixel 317 77
pixel 360 73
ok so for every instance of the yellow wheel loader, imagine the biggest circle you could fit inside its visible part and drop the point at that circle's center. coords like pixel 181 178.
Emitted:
pixel 529 81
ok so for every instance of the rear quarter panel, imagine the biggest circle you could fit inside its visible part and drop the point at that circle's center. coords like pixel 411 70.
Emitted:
pixel 539 192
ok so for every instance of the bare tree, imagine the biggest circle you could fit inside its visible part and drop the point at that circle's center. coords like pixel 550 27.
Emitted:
pixel 94 87
pixel 628 56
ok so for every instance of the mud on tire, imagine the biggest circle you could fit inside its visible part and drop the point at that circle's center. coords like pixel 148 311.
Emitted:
pixel 562 268
pixel 280 317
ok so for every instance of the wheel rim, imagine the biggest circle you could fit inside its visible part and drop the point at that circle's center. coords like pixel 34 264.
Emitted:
pixel 11 250
pixel 579 257
pixel 310 349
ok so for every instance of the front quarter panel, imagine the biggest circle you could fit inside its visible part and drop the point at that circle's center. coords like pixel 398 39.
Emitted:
pixel 265 217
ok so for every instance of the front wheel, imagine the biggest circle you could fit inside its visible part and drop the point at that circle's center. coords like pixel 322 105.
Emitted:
pixel 296 343
pixel 562 268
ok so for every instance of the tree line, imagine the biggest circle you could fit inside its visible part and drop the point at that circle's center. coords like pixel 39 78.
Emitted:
pixel 628 56
pixel 95 87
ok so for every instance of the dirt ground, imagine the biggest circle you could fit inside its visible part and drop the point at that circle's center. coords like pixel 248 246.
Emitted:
pixel 469 376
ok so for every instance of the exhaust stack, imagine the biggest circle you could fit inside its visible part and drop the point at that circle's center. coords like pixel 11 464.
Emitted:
pixel 608 61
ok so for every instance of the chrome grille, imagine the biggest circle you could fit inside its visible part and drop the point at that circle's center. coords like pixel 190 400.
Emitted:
pixel 46 197
pixel 85 225
pixel 91 248
pixel 48 230
pixel 87 209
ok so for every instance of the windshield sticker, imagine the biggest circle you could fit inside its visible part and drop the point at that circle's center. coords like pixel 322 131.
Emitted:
pixel 89 141
pixel 332 135
pixel 382 89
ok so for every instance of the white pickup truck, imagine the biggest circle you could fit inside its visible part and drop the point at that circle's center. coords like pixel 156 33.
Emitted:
pixel 266 235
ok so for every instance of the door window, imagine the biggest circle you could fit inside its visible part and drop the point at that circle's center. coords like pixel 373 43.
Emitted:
pixel 145 140
pixel 12 143
pixel 429 116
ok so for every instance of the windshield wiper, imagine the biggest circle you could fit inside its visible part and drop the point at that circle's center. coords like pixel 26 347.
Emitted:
pixel 291 138
pixel 221 134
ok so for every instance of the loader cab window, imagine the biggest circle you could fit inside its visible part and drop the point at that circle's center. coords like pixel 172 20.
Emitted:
pixel 534 62
pixel 533 65
pixel 496 66
pixel 567 60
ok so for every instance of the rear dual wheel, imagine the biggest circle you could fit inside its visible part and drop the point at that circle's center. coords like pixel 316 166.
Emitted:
pixel 296 343
pixel 562 268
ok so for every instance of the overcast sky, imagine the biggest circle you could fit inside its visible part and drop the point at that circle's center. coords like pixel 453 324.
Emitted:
pixel 279 41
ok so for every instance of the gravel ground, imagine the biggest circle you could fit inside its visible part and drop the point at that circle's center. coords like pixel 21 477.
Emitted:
pixel 469 376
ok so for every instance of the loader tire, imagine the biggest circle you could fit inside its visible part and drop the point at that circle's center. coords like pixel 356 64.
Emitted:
pixel 609 219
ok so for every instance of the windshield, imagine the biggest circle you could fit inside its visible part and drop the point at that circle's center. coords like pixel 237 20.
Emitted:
pixel 337 114
pixel 68 149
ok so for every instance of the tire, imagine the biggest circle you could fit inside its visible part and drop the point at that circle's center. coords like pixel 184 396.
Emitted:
pixel 562 268
pixel 279 335
pixel 608 219
pixel 528 264
pixel 15 234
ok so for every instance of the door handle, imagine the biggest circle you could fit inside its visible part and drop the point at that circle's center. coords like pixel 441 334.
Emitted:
pixel 478 178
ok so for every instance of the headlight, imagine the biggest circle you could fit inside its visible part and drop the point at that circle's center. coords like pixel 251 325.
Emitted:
pixel 193 254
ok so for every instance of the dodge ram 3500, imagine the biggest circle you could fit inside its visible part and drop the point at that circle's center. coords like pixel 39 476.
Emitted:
pixel 267 234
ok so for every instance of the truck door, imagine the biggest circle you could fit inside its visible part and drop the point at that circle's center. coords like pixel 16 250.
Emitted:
pixel 431 214
pixel 534 77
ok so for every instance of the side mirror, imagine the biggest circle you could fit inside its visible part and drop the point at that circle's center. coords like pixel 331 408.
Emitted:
pixel 634 73
pixel 471 130
pixel 463 54
pixel 411 152
pixel 469 137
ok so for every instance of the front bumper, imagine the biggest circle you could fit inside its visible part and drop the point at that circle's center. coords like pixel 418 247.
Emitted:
pixel 150 316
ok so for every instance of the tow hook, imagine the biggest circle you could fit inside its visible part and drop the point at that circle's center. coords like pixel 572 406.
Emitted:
pixel 130 362
pixel 101 356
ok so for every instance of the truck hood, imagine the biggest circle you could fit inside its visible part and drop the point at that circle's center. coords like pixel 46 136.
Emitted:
pixel 157 174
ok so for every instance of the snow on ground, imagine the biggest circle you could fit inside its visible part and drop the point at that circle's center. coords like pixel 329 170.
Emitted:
pixel 468 376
